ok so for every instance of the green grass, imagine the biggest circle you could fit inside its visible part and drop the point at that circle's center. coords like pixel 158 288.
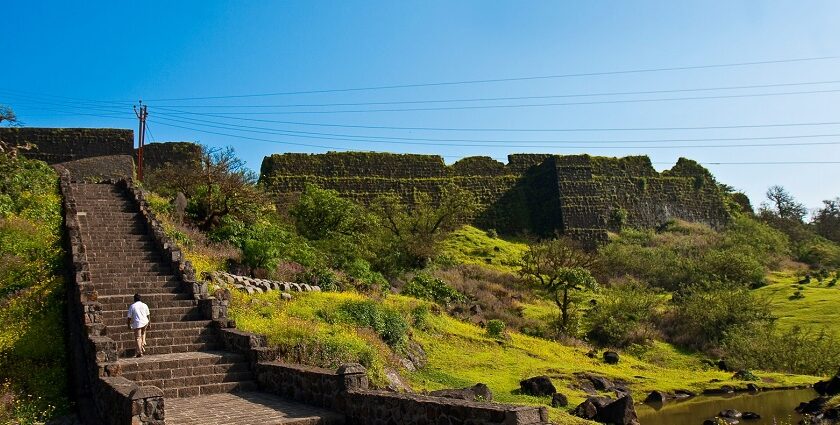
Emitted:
pixel 470 245
pixel 33 385
pixel 818 309
pixel 462 354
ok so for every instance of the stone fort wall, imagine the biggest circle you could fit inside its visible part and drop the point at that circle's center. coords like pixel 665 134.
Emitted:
pixel 579 195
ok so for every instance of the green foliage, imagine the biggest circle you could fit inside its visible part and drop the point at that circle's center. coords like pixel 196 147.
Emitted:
pixel 495 328
pixel 827 220
pixel 266 243
pixel 320 213
pixel 618 218
pixel 684 253
pixel 32 357
pixel 796 350
pixel 386 322
pixel 470 245
pixel 561 269
pixel 624 315
pixel 411 232
pixel 430 288
pixel 703 314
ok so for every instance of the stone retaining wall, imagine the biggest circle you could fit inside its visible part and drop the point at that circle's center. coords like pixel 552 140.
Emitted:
pixel 346 391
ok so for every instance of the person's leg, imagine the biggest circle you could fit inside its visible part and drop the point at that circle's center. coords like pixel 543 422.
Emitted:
pixel 138 340
pixel 143 336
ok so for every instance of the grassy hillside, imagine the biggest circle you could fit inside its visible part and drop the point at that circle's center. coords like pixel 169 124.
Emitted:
pixel 469 245
pixel 33 385
pixel 314 328
pixel 818 308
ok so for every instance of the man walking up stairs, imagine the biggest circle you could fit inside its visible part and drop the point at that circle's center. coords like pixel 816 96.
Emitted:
pixel 138 321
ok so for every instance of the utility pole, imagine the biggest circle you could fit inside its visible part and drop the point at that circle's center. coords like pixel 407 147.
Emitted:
pixel 142 113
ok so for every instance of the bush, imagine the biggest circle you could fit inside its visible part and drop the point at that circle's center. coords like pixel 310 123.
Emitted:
pixel 624 315
pixel 32 348
pixel 703 314
pixel 319 213
pixel 794 351
pixel 387 323
pixel 495 328
pixel 426 287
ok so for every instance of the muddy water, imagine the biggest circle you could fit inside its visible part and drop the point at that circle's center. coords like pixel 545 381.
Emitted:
pixel 768 404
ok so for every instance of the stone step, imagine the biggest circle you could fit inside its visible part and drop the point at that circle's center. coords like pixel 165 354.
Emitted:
pixel 209 389
pixel 178 361
pixel 113 276
pixel 160 314
pixel 148 298
pixel 188 325
pixel 145 291
pixel 155 306
pixel 129 350
pixel 101 269
pixel 127 346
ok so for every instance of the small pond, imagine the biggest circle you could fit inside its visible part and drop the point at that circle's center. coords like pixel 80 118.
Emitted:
pixel 768 404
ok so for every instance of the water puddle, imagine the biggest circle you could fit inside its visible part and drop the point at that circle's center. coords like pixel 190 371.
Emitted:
pixel 769 404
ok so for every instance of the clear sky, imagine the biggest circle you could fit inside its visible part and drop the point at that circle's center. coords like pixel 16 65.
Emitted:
pixel 68 64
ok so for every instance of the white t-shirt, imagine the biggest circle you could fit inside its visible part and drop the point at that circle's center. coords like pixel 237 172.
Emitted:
pixel 139 315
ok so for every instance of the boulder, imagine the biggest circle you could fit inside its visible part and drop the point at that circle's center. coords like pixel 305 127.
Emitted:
pixel 559 400
pixel 478 392
pixel 726 389
pixel 592 354
pixel 538 386
pixel 600 383
pixel 611 357
pixel 285 296
pixel 657 397
pixel 590 407
pixel 684 394
pixel 730 413
pixel 753 388
pixel 750 416
pixel 828 387
pixel 619 412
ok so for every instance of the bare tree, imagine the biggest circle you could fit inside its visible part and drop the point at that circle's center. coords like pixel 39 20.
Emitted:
pixel 783 205
pixel 8 116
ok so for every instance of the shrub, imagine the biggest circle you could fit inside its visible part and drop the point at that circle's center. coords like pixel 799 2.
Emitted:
pixel 624 315
pixel 319 213
pixel 387 323
pixel 495 328
pixel 702 314
pixel 798 350
pixel 426 287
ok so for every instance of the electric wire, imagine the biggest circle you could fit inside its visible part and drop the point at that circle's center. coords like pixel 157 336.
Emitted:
pixel 499 80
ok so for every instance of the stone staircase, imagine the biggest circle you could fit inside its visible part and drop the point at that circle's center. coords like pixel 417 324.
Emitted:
pixel 184 356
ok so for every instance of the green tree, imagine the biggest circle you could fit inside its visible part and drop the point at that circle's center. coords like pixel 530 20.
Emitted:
pixel 319 213
pixel 413 230
pixel 559 267
pixel 827 220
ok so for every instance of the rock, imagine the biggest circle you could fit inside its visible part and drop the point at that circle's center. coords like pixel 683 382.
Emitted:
pixel 416 355
pixel 179 206
pixel 753 388
pixel 396 383
pixel 285 296
pixel 684 394
pixel 657 397
pixel 750 416
pixel 610 357
pixel 710 421
pixel 828 387
pixel 730 413
pixel 475 309
pixel 726 389
pixel 478 392
pixel 559 400
pixel 619 412
pixel 721 364
pixel 538 386
pixel 586 410
pixel 598 382
pixel 592 354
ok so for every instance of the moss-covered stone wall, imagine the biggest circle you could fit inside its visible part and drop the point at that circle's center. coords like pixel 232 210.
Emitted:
pixel 579 195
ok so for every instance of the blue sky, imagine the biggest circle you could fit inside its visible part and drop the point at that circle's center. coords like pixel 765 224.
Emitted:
pixel 68 64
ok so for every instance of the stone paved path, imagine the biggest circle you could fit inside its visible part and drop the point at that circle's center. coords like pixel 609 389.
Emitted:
pixel 245 408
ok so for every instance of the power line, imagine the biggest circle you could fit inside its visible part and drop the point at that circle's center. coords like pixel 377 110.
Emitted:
pixel 430 141
pixel 530 105
pixel 495 99
pixel 487 146
pixel 499 80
